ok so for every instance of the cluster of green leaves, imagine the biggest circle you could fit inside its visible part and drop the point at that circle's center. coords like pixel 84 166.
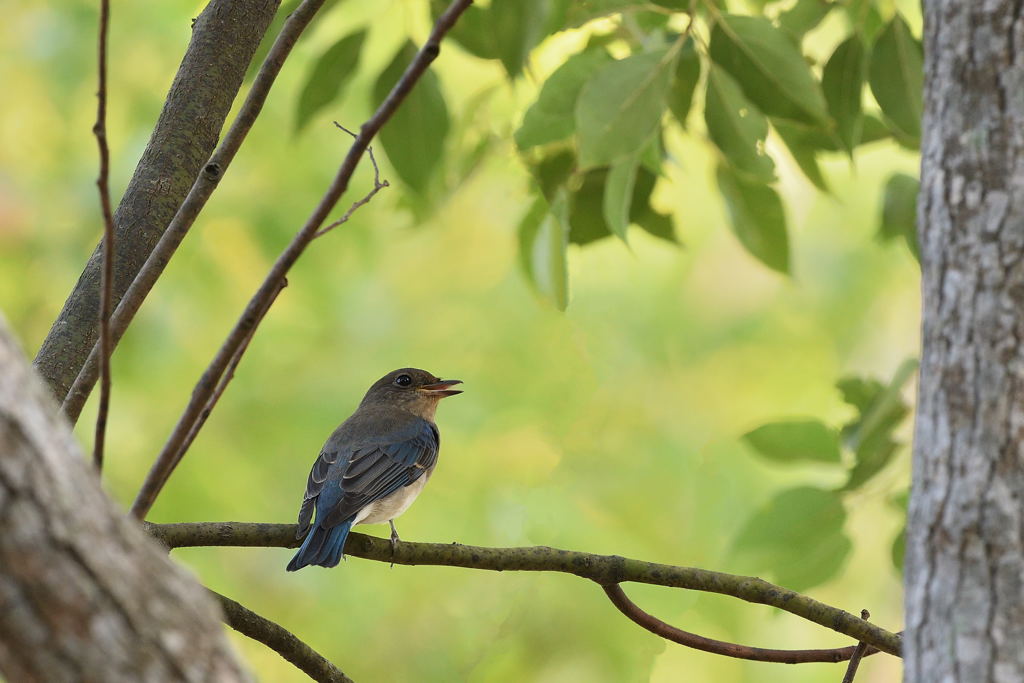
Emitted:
pixel 593 138
pixel 798 536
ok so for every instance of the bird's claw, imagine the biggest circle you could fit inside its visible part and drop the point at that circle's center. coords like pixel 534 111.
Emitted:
pixel 394 541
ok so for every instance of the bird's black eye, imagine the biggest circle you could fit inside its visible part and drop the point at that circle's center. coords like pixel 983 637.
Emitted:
pixel 403 380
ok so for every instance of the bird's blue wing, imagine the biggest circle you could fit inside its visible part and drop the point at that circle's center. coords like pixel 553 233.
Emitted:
pixel 378 469
pixel 344 480
pixel 314 487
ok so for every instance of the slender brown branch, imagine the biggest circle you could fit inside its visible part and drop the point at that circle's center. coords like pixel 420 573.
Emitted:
pixel 720 647
pixel 107 267
pixel 172 451
pixel 859 653
pixel 202 189
pixel 228 376
pixel 280 640
pixel 606 570
pixel 378 185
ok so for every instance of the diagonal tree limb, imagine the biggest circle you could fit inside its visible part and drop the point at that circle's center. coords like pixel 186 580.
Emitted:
pixel 107 271
pixel 172 451
pixel 205 183
pixel 224 38
pixel 605 570
pixel 280 640
pixel 726 649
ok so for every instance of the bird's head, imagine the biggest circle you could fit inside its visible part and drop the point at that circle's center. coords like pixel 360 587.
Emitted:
pixel 411 389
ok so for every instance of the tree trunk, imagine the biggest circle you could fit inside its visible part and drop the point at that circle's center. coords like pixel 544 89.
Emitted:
pixel 85 594
pixel 224 38
pixel 965 543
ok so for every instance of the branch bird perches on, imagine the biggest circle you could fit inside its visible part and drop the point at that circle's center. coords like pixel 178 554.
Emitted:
pixel 608 571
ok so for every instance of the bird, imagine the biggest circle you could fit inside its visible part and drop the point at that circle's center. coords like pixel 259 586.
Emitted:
pixel 373 466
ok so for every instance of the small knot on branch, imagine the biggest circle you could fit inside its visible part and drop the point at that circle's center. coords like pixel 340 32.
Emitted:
pixel 212 171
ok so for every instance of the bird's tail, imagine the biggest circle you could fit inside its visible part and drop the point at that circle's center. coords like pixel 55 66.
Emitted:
pixel 324 547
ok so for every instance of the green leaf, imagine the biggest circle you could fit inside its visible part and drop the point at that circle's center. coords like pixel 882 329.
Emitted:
pixel 769 68
pixel 684 82
pixel 582 11
pixel 864 17
pixel 527 232
pixel 518 26
pixel 552 116
pixel 818 138
pixel 899 501
pixel 655 223
pixel 552 172
pixel 804 16
pixel 899 549
pixel 880 410
pixel 843 82
pixel 586 208
pixel 737 127
pixel 803 150
pixel 653 155
pixel 473 31
pixel 795 440
pixel 587 203
pixel 757 218
pixel 505 30
pixel 414 137
pixel 620 107
pixel 899 210
pixel 331 71
pixel 797 537
pixel 618 195
pixel 821 139
pixel 897 77
pixel 874 130
pixel 543 242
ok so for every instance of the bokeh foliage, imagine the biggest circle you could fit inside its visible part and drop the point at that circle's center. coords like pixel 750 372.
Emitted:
pixel 691 405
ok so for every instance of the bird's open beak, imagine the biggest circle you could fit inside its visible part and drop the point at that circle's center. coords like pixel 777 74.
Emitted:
pixel 440 388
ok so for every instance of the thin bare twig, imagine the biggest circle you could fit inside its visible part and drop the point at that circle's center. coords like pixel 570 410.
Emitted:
pixel 280 640
pixel 721 647
pixel 172 451
pixel 228 376
pixel 378 185
pixel 859 652
pixel 202 188
pixel 605 570
pixel 107 266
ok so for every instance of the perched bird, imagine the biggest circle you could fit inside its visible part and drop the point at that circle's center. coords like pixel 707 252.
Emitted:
pixel 374 464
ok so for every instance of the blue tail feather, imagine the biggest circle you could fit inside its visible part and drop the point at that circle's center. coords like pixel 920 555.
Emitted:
pixel 323 547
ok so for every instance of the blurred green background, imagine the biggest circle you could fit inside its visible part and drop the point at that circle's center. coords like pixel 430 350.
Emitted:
pixel 613 427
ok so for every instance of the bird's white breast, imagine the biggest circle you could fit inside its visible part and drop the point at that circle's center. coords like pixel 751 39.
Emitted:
pixel 389 507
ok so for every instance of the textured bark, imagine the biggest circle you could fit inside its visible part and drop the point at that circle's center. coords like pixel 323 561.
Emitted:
pixel 965 546
pixel 85 595
pixel 224 38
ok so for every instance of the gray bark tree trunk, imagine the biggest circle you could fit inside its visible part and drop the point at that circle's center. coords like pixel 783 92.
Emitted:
pixel 85 594
pixel 965 543
pixel 224 38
